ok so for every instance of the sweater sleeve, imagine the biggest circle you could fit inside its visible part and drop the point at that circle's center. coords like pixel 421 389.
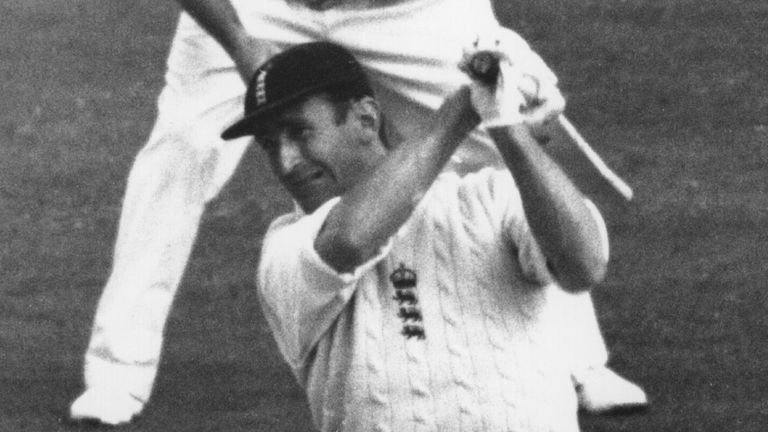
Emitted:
pixel 516 232
pixel 300 294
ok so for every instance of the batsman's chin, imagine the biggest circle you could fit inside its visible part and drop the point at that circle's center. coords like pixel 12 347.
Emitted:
pixel 311 198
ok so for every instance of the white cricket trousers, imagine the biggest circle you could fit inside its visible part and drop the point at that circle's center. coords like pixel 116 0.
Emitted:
pixel 411 52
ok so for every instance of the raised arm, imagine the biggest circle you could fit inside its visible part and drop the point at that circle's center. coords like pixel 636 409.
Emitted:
pixel 570 234
pixel 219 18
pixel 372 211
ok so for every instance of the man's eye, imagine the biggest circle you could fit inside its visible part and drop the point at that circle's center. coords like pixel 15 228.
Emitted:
pixel 266 142
pixel 299 133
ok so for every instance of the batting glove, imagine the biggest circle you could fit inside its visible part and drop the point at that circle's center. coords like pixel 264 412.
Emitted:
pixel 524 70
pixel 498 103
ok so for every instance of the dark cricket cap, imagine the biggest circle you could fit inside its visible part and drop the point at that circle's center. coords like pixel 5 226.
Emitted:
pixel 293 74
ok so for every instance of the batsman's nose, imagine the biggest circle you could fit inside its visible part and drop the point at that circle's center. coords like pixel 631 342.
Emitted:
pixel 290 155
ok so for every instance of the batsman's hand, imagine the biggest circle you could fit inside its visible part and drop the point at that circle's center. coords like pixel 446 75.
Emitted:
pixel 520 68
pixel 498 102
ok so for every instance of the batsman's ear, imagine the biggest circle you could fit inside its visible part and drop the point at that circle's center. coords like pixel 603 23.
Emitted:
pixel 368 113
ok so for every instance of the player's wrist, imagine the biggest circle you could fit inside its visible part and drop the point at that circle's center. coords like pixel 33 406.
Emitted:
pixel 248 53
pixel 499 107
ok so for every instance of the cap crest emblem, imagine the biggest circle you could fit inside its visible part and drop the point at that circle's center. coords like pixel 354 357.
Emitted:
pixel 261 87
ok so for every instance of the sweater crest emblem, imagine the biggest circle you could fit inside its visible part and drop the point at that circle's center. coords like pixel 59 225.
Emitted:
pixel 405 281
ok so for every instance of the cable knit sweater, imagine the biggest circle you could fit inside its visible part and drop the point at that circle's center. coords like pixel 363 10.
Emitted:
pixel 444 330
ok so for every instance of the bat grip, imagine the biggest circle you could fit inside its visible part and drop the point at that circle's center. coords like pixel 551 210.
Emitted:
pixel 484 67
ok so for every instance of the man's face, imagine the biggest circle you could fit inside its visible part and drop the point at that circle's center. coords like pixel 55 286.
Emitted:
pixel 315 158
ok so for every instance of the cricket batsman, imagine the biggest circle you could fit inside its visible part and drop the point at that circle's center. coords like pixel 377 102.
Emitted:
pixel 408 48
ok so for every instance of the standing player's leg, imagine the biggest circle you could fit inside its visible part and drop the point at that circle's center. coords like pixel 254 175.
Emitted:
pixel 412 52
pixel 183 165
pixel 164 200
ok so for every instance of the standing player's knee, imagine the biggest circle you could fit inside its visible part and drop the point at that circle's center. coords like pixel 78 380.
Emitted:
pixel 172 158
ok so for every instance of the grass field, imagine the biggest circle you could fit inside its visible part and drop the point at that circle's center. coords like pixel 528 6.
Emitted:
pixel 674 94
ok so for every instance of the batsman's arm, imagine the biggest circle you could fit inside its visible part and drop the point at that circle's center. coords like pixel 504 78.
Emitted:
pixel 369 214
pixel 570 234
pixel 219 18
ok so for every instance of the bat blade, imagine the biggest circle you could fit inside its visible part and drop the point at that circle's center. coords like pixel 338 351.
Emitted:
pixel 583 165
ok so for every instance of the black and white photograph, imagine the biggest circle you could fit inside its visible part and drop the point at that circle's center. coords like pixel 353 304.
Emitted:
pixel 384 215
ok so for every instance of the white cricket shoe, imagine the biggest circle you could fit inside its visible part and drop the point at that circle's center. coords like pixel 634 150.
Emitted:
pixel 603 391
pixel 105 406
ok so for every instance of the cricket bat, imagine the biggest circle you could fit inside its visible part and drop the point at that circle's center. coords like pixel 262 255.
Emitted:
pixel 564 144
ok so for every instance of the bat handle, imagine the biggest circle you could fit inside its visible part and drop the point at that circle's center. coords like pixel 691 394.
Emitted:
pixel 484 67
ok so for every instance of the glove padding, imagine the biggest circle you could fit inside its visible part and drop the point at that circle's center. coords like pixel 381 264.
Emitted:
pixel 523 75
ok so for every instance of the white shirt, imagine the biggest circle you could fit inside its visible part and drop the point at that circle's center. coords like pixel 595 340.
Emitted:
pixel 446 329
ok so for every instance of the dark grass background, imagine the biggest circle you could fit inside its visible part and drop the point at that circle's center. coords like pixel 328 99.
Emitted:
pixel 673 93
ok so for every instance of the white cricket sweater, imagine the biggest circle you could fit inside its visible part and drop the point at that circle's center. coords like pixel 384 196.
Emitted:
pixel 445 330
